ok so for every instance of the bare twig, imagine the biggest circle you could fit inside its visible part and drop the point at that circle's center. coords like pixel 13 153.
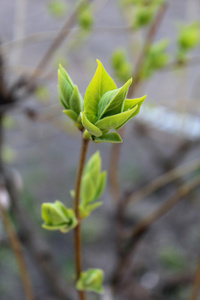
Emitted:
pixel 62 34
pixel 18 252
pixel 14 241
pixel 134 236
pixel 115 150
pixel 135 197
pixel 35 243
pixel 196 286
pixel 182 192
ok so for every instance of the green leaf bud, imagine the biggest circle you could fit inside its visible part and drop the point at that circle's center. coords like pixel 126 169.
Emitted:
pixel 104 107
pixel 70 97
pixel 189 36
pixel 143 16
pixel 86 19
pixel 57 216
pixel 120 64
pixel 91 280
pixel 92 185
pixel 57 8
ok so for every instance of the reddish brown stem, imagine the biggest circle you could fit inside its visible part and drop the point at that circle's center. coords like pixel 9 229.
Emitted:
pixel 77 230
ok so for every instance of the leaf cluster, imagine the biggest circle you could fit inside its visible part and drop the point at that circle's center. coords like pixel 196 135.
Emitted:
pixel 105 106
pixel 57 216
pixel 91 280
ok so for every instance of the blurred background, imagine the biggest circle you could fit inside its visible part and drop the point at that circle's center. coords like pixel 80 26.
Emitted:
pixel 146 236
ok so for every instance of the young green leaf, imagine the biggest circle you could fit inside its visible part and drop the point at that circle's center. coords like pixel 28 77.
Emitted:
pixel 99 85
pixel 88 189
pixel 116 120
pixel 101 185
pixel 112 102
pixel 71 114
pixel 112 137
pixel 66 85
pixel 93 130
pixel 76 101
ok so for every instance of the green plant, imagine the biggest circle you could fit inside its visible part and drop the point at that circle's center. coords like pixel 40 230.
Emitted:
pixel 104 108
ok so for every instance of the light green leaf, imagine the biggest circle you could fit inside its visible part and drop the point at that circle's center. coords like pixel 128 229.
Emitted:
pixel 112 102
pixel 71 114
pixel 87 189
pixel 66 75
pixel 116 120
pixel 130 103
pixel 92 129
pixel 66 85
pixel 85 211
pixel 76 101
pixel 62 100
pixel 93 166
pixel 99 85
pixel 112 137
pixel 101 186
pixel 91 280
pixel 93 206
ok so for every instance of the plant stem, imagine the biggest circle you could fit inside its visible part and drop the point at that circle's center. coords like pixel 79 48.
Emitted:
pixel 77 230
pixel 17 249
pixel 196 286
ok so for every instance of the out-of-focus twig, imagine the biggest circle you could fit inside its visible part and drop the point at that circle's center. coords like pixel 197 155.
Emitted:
pixel 133 237
pixel 18 252
pixel 19 28
pixel 13 238
pixel 115 150
pixel 35 243
pixel 62 34
pixel 135 197
pixel 196 286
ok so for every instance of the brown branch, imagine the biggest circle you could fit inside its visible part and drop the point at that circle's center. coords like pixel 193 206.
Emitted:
pixel 38 248
pixel 115 150
pixel 18 252
pixel 196 286
pixel 133 238
pixel 148 41
pixel 146 223
pixel 14 241
pixel 135 196
pixel 62 34
pixel 77 230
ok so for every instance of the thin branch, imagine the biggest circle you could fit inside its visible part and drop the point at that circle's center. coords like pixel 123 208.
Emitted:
pixel 77 230
pixel 134 236
pixel 62 34
pixel 135 197
pixel 182 192
pixel 148 41
pixel 115 150
pixel 18 252
pixel 196 286
pixel 14 241
pixel 49 35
